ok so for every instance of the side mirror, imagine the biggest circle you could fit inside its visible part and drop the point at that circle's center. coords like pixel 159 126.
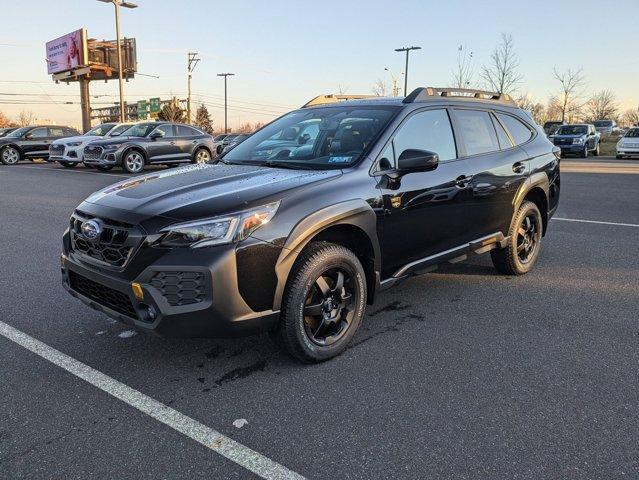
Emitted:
pixel 155 135
pixel 417 161
pixel 28 136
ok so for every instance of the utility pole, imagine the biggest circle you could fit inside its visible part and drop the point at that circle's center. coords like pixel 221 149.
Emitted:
pixel 117 4
pixel 407 50
pixel 192 62
pixel 225 75
pixel 85 103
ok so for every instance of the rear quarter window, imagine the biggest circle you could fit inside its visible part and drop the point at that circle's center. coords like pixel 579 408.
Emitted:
pixel 519 132
pixel 477 131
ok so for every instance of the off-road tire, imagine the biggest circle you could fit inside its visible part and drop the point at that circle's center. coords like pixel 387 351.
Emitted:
pixel 507 260
pixel 316 259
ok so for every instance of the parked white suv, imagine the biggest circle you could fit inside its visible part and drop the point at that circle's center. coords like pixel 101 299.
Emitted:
pixel 606 127
pixel 628 145
pixel 68 151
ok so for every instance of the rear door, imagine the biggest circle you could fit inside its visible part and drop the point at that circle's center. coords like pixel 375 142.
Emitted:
pixel 186 140
pixel 36 143
pixel 497 168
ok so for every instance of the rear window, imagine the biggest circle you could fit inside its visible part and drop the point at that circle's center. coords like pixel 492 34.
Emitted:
pixel 477 131
pixel 519 132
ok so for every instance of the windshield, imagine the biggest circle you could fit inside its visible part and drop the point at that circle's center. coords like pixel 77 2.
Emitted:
pixel 118 130
pixel 324 137
pixel 140 130
pixel 219 137
pixel 603 123
pixel 572 130
pixel 19 132
pixel 632 133
pixel 100 130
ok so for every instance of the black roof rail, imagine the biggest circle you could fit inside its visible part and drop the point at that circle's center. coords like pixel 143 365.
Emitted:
pixel 423 94
pixel 333 98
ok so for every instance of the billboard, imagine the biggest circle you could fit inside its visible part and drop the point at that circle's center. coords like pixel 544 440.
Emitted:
pixel 67 52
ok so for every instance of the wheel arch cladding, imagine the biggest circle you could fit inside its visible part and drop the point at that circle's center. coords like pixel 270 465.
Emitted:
pixel 538 197
pixel 535 189
pixel 352 224
pixel 135 148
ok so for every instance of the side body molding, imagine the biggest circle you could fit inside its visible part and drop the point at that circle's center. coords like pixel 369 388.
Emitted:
pixel 355 213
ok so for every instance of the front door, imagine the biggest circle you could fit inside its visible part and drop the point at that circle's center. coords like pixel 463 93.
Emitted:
pixel 423 211
pixel 164 148
pixel 36 143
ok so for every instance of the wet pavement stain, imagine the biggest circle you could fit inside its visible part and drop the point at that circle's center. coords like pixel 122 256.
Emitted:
pixel 394 306
pixel 242 372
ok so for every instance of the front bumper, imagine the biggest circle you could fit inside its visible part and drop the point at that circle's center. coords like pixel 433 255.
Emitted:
pixel 573 148
pixel 107 157
pixel 628 151
pixel 220 310
pixel 69 155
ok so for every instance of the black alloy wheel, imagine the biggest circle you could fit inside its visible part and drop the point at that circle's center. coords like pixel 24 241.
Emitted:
pixel 329 307
pixel 528 236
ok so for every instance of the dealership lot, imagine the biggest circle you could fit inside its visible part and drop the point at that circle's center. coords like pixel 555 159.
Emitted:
pixel 460 373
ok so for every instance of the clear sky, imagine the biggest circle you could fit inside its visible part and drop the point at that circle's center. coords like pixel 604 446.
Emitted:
pixel 285 52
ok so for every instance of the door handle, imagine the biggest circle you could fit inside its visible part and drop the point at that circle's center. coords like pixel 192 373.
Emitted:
pixel 462 180
pixel 519 167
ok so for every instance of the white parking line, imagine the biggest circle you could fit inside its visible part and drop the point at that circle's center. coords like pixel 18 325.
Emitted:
pixel 70 171
pixel 595 221
pixel 219 443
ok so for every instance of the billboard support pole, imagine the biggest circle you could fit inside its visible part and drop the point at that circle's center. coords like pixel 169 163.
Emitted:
pixel 85 103
pixel 119 48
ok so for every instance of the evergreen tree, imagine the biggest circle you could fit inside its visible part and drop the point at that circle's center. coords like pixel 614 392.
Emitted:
pixel 203 119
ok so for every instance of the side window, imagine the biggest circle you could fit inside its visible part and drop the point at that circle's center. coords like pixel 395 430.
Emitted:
pixel 184 131
pixel 477 131
pixel 167 129
pixel 518 131
pixel 56 132
pixel 39 133
pixel 429 130
pixel 504 141
pixel 387 158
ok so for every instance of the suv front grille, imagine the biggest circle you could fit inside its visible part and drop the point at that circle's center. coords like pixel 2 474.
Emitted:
pixel 92 153
pixel 114 245
pixel 57 150
pixel 180 288
pixel 102 294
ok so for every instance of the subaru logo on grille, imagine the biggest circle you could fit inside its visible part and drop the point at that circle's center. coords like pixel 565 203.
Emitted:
pixel 91 229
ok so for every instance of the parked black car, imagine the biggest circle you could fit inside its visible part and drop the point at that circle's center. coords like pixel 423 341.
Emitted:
pixel 31 142
pixel 298 241
pixel 150 143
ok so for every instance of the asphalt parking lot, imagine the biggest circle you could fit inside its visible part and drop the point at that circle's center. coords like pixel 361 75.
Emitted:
pixel 460 373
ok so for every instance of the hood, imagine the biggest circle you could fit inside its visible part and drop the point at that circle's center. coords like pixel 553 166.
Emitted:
pixel 76 138
pixel 119 140
pixel 201 191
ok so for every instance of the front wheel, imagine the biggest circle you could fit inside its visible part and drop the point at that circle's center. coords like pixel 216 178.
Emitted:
pixel 201 156
pixel 595 152
pixel 584 152
pixel 524 242
pixel 323 302
pixel 133 162
pixel 9 156
pixel 68 164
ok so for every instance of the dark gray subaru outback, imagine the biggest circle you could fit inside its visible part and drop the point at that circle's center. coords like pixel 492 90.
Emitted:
pixel 299 226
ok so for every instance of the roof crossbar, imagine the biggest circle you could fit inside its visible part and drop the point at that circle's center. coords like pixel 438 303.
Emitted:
pixel 423 94
pixel 333 98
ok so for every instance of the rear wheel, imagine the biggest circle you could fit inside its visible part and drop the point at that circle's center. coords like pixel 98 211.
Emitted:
pixel 524 242
pixel 9 156
pixel 201 156
pixel 133 162
pixel 68 164
pixel 323 302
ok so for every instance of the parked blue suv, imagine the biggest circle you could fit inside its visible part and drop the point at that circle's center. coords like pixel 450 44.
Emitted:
pixel 579 139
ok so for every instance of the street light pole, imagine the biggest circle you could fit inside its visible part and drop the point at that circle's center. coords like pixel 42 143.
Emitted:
pixel 117 4
pixel 192 62
pixel 407 50
pixel 225 75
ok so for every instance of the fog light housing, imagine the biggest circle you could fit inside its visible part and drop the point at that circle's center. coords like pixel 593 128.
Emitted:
pixel 137 290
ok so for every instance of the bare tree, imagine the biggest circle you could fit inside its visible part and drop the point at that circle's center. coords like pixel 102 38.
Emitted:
pixel 571 97
pixel 341 89
pixel 26 118
pixel 536 109
pixel 380 88
pixel 464 71
pixel 172 112
pixel 631 117
pixel 502 72
pixel 4 120
pixel 602 105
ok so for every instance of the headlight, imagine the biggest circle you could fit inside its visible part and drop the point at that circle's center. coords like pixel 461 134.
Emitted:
pixel 74 144
pixel 578 140
pixel 217 231
pixel 111 147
